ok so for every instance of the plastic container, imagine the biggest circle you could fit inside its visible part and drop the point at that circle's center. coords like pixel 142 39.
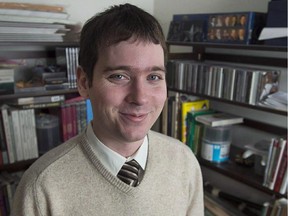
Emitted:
pixel 216 143
pixel 47 127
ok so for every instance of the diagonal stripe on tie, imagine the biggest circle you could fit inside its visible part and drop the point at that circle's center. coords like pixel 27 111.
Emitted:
pixel 129 173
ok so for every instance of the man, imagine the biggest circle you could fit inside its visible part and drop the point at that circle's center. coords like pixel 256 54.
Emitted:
pixel 122 71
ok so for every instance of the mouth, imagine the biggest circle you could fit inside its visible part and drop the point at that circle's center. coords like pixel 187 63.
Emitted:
pixel 133 117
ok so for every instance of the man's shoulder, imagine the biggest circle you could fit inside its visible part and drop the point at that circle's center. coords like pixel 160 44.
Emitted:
pixel 52 158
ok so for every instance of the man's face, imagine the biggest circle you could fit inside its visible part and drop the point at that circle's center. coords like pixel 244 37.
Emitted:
pixel 128 91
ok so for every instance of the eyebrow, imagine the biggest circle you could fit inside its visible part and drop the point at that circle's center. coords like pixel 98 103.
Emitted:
pixel 128 68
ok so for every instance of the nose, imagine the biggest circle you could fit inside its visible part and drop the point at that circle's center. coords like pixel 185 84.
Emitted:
pixel 138 92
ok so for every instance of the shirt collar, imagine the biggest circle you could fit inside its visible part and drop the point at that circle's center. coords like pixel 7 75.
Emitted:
pixel 111 159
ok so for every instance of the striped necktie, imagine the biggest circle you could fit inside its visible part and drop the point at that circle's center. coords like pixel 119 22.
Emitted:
pixel 131 173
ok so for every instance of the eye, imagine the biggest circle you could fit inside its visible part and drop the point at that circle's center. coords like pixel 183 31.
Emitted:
pixel 116 77
pixel 155 77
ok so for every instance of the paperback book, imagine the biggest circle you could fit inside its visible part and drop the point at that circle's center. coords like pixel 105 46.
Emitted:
pixel 219 119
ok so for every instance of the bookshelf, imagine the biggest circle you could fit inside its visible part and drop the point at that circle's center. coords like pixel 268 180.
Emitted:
pixel 256 55
pixel 35 52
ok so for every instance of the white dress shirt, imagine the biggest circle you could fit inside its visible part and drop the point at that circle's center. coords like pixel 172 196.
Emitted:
pixel 111 159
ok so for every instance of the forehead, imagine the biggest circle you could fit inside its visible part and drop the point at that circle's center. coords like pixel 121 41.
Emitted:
pixel 134 52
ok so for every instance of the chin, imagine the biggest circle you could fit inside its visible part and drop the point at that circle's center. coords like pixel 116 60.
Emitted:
pixel 134 136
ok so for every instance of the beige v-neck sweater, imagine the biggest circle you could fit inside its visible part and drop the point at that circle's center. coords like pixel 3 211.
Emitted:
pixel 70 180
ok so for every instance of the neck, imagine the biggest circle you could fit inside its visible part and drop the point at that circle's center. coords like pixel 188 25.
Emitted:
pixel 127 149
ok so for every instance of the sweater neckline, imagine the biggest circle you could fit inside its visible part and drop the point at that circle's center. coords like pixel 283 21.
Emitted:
pixel 89 151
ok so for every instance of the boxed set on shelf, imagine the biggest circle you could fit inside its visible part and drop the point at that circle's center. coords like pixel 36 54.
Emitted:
pixel 235 28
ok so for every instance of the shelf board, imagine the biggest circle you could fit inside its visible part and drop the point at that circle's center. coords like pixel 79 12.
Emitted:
pixel 5 97
pixel 200 53
pixel 231 46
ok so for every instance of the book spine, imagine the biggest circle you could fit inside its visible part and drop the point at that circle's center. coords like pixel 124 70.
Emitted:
pixel 64 122
pixel 4 153
pixel 83 113
pixel 17 134
pixel 268 164
pixel 274 162
pixel 8 135
pixel 38 105
pixel 74 119
pixel 283 188
pixel 282 170
pixel 33 134
pixel 278 159
pixel 89 111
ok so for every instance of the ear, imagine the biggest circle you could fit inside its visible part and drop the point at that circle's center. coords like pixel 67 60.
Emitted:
pixel 82 83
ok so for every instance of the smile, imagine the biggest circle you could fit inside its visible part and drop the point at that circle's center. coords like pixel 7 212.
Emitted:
pixel 134 117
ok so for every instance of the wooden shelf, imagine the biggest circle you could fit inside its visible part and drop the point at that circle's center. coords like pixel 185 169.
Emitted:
pixel 199 52
pixel 236 53
pixel 205 45
pixel 5 97
pixel 265 109
pixel 238 172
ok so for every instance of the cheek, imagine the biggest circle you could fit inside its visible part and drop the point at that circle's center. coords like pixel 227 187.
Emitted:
pixel 160 97
pixel 105 98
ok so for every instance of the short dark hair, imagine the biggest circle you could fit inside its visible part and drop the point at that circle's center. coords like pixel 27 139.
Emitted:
pixel 116 24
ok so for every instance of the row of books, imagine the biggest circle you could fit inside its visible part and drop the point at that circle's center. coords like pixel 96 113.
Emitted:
pixel 33 22
pixel 20 130
pixel 275 177
pixel 67 59
pixel 18 135
pixel 175 111
pixel 75 115
pixel 225 81
pixel 183 118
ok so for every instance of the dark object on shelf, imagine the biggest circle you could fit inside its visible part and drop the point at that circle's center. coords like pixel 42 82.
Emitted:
pixel 188 28
pixel 47 132
pixel 186 31
pixel 246 162
pixel 277 17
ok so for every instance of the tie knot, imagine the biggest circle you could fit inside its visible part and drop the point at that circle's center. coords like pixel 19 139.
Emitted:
pixel 131 173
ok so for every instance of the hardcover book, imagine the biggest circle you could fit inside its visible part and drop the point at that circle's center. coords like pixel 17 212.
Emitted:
pixel 194 129
pixel 188 107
